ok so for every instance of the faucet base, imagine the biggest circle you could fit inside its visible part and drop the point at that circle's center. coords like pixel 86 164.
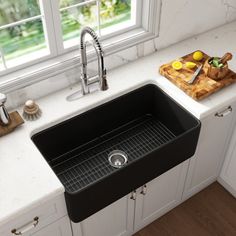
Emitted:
pixel 74 96
pixel 78 94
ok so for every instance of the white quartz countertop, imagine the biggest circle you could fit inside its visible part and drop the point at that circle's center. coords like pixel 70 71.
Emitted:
pixel 26 180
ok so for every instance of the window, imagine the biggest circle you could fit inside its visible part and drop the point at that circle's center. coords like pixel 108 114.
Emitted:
pixel 37 31
pixel 21 33
pixel 106 17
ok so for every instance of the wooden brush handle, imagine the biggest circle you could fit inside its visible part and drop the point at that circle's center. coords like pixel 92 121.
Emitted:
pixel 227 57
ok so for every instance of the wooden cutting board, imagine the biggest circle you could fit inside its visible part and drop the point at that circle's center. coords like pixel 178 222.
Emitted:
pixel 203 86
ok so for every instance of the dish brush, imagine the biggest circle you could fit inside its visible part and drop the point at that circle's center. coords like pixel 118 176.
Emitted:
pixel 31 111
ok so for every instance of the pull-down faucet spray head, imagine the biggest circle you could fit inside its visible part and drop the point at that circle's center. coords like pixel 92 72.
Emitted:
pixel 100 54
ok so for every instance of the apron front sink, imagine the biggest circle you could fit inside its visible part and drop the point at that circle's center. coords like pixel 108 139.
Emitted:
pixel 149 130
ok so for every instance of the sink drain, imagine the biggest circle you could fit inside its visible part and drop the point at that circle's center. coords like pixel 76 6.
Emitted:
pixel 117 158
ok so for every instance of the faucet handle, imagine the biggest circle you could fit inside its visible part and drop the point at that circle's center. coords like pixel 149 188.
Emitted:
pixel 104 85
pixel 3 99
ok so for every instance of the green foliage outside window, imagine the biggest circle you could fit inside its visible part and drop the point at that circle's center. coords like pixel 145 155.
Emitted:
pixel 24 38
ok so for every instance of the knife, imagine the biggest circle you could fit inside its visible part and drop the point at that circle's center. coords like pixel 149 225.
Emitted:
pixel 196 73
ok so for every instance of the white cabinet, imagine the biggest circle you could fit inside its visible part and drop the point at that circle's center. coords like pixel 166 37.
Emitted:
pixel 228 173
pixel 160 195
pixel 214 137
pixel 48 219
pixel 59 228
pixel 114 220
pixel 132 212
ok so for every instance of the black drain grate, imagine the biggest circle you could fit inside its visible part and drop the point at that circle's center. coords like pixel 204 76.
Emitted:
pixel 84 168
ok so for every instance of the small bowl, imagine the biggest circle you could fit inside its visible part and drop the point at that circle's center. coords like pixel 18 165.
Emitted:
pixel 214 72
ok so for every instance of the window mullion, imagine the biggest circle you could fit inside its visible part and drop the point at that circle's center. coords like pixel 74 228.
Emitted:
pixel 98 18
pixel 55 5
pixel 20 22
pixel 80 4
pixel 48 26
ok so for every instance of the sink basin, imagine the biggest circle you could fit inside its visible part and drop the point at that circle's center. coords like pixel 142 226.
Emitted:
pixel 146 126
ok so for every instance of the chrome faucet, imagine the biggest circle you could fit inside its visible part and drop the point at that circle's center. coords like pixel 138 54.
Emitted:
pixel 101 76
pixel 4 116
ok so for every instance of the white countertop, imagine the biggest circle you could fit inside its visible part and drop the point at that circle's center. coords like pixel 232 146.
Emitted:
pixel 26 180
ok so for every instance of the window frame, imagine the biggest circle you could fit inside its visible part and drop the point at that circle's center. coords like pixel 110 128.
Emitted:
pixel 58 29
pixel 59 60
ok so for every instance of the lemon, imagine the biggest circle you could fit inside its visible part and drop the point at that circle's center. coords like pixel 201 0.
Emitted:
pixel 177 65
pixel 198 55
pixel 190 64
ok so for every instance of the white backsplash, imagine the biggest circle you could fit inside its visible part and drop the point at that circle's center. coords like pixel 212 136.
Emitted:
pixel 180 19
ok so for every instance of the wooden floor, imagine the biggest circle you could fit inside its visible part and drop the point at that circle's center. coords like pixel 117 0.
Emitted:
pixel 210 212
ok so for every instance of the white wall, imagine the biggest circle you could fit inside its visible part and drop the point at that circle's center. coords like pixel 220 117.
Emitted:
pixel 180 19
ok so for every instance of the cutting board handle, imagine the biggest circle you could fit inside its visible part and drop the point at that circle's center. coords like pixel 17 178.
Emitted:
pixel 227 57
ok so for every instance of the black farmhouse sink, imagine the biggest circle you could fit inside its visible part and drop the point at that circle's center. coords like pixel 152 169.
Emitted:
pixel 154 131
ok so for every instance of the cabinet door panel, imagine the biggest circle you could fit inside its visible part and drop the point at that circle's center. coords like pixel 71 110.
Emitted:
pixel 213 141
pixel 114 220
pixel 162 194
pixel 59 228
pixel 47 213
pixel 228 172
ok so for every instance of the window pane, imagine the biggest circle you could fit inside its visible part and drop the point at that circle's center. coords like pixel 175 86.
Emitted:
pixel 76 18
pixel 22 43
pixel 67 3
pixel 114 13
pixel 12 10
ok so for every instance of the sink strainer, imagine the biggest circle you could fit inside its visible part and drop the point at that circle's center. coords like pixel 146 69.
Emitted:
pixel 117 158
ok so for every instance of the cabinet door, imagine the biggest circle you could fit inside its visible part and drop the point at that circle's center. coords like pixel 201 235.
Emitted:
pixel 37 219
pixel 213 141
pixel 228 173
pixel 161 195
pixel 61 227
pixel 114 220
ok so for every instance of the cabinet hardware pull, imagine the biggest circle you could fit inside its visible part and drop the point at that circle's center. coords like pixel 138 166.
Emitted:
pixel 27 227
pixel 144 189
pixel 224 113
pixel 133 195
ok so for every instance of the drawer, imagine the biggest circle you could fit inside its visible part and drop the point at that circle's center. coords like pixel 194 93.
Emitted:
pixel 36 218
